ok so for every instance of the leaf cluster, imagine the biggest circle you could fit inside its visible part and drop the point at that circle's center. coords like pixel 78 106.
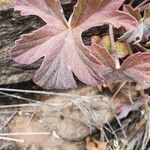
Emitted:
pixel 60 43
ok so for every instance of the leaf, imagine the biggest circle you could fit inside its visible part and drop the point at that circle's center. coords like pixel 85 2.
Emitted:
pixel 135 13
pixel 142 31
pixel 135 68
pixel 122 49
pixel 59 42
pixel 92 144
pixel 127 108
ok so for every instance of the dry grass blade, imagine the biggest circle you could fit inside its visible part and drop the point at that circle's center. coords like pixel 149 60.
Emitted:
pixel 24 133
pixel 11 139
pixel 146 137
pixel 142 136
pixel 6 123
pixel 48 93
pixel 141 4
pixel 19 105
pixel 27 99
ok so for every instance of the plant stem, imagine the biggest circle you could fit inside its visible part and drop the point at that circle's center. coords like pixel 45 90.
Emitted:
pixel 140 5
pixel 114 53
pixel 132 1
pixel 142 8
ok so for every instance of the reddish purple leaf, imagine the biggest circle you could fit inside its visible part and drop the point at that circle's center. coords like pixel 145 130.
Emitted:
pixel 60 42
pixel 134 68
pixel 137 67
pixel 125 109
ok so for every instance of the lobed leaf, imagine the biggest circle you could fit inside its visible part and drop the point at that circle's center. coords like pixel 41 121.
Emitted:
pixel 59 42
pixel 135 68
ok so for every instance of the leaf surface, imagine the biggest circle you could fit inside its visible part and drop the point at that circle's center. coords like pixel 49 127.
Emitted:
pixel 135 68
pixel 59 42
pixel 142 31
pixel 122 49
